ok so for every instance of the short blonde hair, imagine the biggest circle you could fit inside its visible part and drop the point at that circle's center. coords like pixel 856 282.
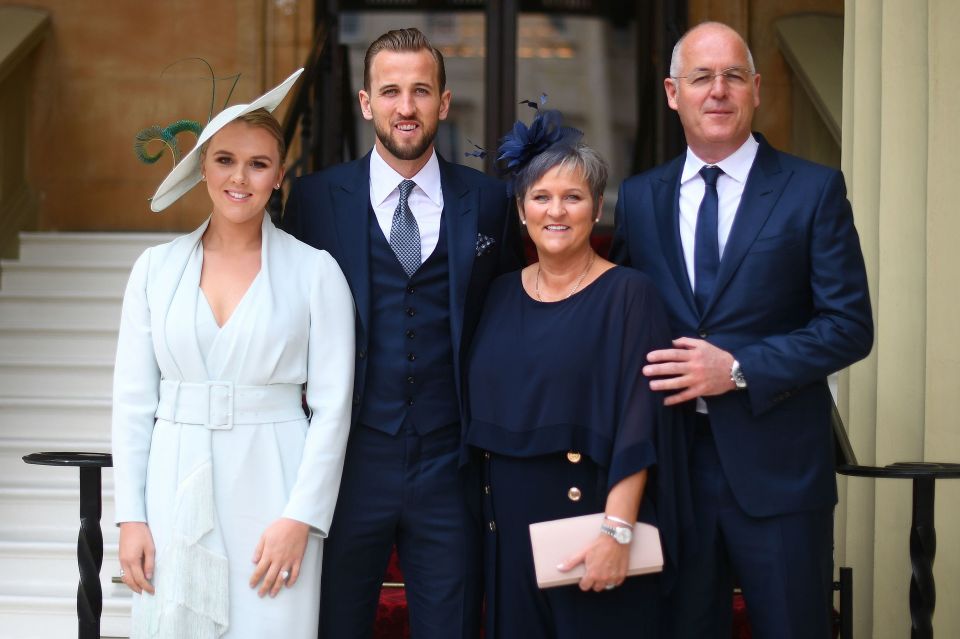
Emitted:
pixel 260 119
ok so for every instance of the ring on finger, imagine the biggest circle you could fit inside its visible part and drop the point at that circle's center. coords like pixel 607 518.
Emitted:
pixel 284 574
pixel 610 586
pixel 122 573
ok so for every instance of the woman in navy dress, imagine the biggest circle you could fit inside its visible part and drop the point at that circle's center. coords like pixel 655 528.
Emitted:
pixel 565 420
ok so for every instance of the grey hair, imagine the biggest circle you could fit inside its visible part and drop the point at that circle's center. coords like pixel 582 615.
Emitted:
pixel 675 64
pixel 580 158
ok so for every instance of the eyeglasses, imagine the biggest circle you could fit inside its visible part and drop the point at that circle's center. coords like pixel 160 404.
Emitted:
pixel 733 76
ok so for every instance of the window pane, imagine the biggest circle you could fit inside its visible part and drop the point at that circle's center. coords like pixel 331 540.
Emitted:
pixel 587 67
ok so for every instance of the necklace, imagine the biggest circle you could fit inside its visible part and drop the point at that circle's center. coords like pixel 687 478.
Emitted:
pixel 576 286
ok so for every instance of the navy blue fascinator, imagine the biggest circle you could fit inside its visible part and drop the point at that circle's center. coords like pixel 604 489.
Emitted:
pixel 523 143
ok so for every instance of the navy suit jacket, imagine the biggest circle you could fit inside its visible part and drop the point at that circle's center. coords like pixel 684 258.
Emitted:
pixel 791 304
pixel 330 210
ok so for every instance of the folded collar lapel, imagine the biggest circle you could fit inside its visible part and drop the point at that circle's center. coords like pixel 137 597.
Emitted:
pixel 765 183
pixel 460 209
pixel 666 199
pixel 351 205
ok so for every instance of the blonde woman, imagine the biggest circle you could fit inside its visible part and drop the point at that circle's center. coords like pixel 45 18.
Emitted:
pixel 224 486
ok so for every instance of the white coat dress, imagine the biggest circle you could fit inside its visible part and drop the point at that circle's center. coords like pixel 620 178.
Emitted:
pixel 208 493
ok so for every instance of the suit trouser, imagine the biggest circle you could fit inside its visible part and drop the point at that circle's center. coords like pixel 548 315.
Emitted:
pixel 782 563
pixel 402 489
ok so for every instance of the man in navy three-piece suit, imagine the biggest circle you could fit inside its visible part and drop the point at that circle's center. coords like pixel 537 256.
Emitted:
pixel 756 256
pixel 419 240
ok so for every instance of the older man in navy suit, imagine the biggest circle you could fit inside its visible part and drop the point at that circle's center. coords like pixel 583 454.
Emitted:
pixel 759 263
pixel 419 240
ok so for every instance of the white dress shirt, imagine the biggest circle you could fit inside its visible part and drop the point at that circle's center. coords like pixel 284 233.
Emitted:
pixel 736 168
pixel 425 201
pixel 730 185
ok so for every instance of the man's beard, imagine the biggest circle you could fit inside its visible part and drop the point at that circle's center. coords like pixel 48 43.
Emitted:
pixel 411 151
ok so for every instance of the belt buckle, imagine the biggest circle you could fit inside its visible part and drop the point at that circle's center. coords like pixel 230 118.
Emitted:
pixel 217 397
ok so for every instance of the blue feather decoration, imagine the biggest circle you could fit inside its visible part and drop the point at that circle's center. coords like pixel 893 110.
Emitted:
pixel 477 152
pixel 523 143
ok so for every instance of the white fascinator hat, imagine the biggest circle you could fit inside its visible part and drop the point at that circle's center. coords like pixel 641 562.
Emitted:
pixel 186 174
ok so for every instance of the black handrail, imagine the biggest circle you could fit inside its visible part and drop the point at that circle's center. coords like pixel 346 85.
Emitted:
pixel 322 110
pixel 300 114
pixel 923 536
pixel 301 95
pixel 90 539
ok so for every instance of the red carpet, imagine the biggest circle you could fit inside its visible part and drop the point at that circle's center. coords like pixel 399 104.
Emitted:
pixel 392 621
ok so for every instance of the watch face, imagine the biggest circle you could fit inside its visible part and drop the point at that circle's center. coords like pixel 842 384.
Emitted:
pixel 737 376
pixel 623 535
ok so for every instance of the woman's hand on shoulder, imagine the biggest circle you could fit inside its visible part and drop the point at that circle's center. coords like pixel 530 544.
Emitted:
pixel 606 563
pixel 137 554
pixel 279 551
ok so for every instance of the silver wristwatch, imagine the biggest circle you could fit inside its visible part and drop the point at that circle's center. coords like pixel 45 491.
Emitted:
pixel 736 376
pixel 621 534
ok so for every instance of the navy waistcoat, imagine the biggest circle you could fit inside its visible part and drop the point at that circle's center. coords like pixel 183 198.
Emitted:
pixel 410 356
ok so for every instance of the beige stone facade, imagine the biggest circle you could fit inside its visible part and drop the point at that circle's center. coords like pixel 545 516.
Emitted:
pixel 95 80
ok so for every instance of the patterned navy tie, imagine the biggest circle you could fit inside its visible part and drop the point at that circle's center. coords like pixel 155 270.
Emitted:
pixel 706 243
pixel 404 233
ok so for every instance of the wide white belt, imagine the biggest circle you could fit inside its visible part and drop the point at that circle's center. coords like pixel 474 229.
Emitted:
pixel 220 405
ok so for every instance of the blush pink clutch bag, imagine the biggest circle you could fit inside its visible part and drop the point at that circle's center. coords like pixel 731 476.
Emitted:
pixel 554 541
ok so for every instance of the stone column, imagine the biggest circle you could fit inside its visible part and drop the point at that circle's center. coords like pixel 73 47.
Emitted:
pixel 899 146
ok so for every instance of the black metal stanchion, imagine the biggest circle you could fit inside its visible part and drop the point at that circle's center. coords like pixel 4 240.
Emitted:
pixel 923 536
pixel 90 540
pixel 846 602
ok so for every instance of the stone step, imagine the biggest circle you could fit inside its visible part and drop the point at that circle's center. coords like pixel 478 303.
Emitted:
pixel 55 378
pixel 103 277
pixel 57 308
pixel 52 566
pixel 63 342
pixel 49 514
pixel 56 419
pixel 59 315
pixel 55 617
pixel 39 248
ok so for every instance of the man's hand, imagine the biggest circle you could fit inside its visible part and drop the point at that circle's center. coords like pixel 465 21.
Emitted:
pixel 693 367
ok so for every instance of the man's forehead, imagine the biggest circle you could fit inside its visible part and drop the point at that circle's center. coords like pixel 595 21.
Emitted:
pixel 390 67
pixel 713 47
